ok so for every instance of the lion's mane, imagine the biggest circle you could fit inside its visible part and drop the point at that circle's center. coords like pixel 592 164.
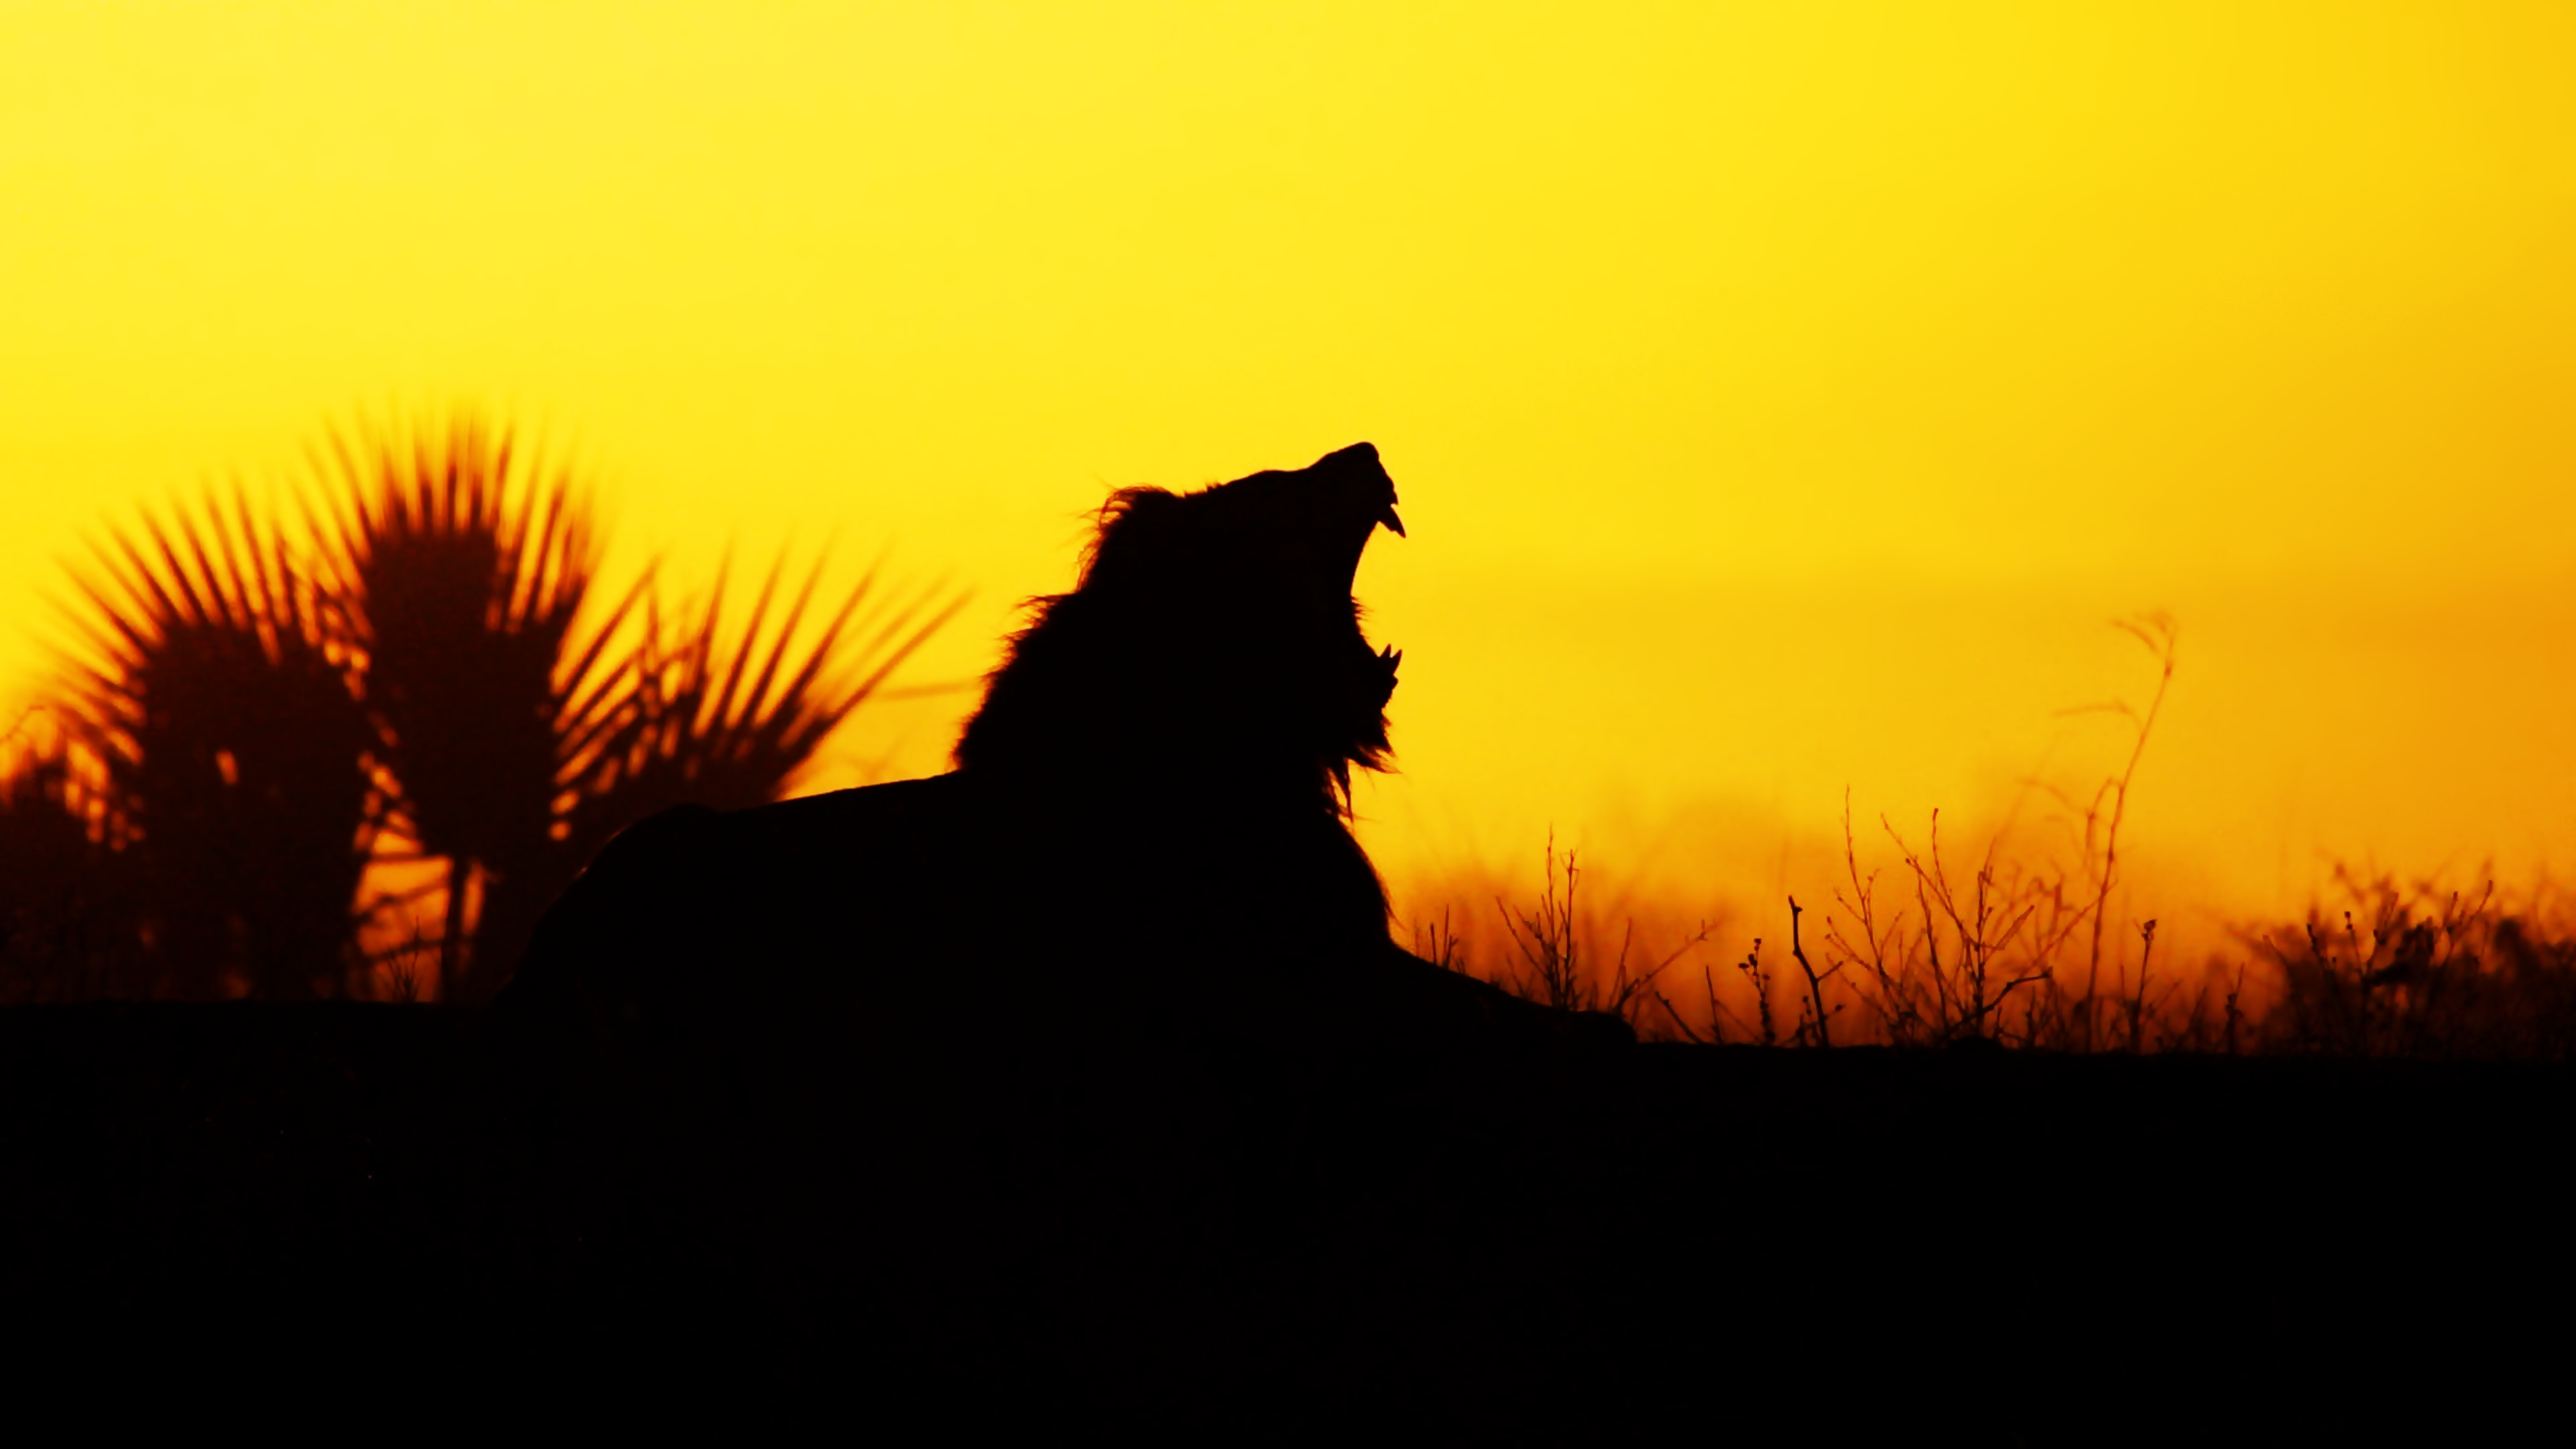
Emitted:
pixel 1194 644
pixel 1200 698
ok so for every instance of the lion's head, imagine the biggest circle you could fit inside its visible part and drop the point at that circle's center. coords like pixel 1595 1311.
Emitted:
pixel 1213 635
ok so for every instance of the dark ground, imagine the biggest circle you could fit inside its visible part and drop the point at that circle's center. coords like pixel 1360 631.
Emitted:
pixel 2031 1247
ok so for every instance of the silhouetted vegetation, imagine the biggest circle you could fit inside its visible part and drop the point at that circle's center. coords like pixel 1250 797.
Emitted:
pixel 2418 972
pixel 2396 970
pixel 2034 952
pixel 223 707
pixel 260 714
pixel 69 928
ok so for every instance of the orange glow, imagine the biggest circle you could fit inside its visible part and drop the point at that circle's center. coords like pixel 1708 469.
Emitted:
pixel 1782 397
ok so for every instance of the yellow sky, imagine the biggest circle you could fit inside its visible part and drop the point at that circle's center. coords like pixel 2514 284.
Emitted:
pixel 1783 397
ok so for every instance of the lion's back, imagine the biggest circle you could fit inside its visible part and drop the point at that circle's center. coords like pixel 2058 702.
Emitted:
pixel 804 898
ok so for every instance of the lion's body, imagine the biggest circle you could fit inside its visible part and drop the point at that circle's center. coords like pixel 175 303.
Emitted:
pixel 957 905
pixel 1145 831
pixel 925 1048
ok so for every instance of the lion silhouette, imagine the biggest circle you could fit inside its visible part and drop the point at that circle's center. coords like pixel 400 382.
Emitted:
pixel 1037 1046
pixel 1146 833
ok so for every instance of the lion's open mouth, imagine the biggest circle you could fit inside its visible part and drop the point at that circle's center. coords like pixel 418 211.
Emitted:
pixel 1388 657
pixel 1375 479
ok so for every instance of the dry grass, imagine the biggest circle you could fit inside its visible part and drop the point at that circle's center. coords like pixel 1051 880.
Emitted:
pixel 2404 970
pixel 2418 971
pixel 1556 961
pixel 2012 950
pixel 1927 955
pixel 2039 950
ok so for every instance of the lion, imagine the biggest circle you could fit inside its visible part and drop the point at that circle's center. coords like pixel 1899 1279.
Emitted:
pixel 1146 831
pixel 1035 1019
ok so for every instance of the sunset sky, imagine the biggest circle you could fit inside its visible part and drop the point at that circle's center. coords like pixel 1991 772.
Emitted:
pixel 1784 398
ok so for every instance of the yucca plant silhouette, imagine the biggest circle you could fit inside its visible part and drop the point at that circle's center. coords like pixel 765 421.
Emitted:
pixel 728 725
pixel 464 574
pixel 421 674
pixel 66 927
pixel 223 710
pixel 521 733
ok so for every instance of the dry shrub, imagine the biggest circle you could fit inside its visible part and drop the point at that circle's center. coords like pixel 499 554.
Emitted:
pixel 2022 947
pixel 1567 947
pixel 2419 971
